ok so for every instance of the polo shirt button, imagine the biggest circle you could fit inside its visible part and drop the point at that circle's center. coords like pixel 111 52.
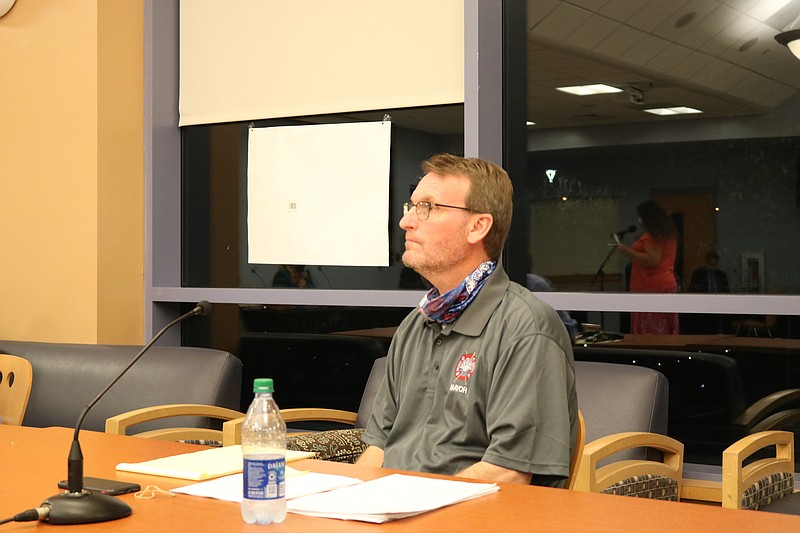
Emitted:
pixel 438 342
pixel 436 366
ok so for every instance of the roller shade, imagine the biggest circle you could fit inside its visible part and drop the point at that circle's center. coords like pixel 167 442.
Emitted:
pixel 257 59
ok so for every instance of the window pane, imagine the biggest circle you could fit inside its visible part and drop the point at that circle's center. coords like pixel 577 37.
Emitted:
pixel 214 174
pixel 727 177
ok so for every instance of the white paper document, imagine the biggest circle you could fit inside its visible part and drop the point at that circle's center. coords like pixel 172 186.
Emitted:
pixel 389 498
pixel 298 484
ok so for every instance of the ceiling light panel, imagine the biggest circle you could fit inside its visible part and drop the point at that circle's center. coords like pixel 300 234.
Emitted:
pixel 667 111
pixel 587 90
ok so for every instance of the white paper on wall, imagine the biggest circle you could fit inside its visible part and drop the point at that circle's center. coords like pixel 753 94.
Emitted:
pixel 319 194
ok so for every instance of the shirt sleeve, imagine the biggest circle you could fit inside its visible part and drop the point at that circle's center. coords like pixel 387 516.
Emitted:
pixel 527 414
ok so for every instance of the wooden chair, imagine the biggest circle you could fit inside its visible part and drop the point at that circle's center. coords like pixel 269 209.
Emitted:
pixel 16 378
pixel 577 452
pixel 642 478
pixel 119 424
pixel 764 483
pixel 232 429
pixel 749 327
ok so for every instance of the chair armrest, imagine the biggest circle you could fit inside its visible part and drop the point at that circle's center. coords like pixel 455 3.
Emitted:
pixel 119 424
pixel 590 478
pixel 736 478
pixel 303 414
pixel 765 406
pixel 777 421
pixel 232 431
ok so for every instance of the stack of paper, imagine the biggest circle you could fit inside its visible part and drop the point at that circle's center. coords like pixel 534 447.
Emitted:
pixel 330 496
pixel 205 464
pixel 298 483
pixel 389 498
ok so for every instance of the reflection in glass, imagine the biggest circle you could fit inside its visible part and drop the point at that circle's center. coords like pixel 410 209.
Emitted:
pixel 214 172
pixel 727 175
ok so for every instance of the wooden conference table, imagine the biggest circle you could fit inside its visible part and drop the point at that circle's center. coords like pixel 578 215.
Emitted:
pixel 715 343
pixel 695 342
pixel 32 460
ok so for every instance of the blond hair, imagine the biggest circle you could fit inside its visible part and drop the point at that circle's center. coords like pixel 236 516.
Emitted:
pixel 490 192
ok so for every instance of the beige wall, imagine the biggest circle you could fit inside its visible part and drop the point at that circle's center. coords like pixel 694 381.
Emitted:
pixel 71 171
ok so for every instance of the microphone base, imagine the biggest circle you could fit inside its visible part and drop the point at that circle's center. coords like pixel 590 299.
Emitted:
pixel 85 508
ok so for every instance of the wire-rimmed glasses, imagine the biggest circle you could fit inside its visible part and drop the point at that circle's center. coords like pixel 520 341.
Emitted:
pixel 423 208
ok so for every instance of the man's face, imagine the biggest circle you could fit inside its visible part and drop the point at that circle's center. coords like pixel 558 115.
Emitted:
pixel 437 244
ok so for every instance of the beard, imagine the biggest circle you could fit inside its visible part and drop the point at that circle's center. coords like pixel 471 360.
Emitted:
pixel 430 260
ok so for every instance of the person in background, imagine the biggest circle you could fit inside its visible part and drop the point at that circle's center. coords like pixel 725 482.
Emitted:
pixel 709 278
pixel 653 266
pixel 537 283
pixel 292 276
pixel 480 378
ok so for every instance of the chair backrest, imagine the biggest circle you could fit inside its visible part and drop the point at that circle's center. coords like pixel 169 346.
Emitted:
pixel 370 390
pixel 309 369
pixel 16 376
pixel 69 376
pixel 232 430
pixel 704 388
pixel 658 479
pixel 621 398
pixel 762 481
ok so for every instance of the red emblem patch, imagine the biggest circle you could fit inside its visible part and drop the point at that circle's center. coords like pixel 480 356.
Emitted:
pixel 465 366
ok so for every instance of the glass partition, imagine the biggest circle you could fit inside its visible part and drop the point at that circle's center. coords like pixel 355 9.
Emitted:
pixel 214 191
pixel 695 107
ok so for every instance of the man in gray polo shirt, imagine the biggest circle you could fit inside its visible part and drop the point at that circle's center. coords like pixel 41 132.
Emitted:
pixel 480 379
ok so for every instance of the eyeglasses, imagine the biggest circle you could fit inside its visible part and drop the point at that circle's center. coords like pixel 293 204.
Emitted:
pixel 424 208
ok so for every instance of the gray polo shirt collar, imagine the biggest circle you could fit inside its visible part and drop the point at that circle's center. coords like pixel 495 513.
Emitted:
pixel 475 317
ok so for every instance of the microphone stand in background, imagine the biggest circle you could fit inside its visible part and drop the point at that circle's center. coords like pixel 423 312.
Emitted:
pixel 79 506
pixel 601 275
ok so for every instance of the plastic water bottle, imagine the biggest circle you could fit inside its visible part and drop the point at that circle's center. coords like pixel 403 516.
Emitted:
pixel 264 451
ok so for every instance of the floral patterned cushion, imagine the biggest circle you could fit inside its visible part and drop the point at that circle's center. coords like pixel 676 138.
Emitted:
pixel 340 445
pixel 646 486
pixel 767 490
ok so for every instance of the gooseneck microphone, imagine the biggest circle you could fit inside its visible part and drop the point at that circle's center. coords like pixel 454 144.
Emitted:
pixel 620 233
pixel 79 506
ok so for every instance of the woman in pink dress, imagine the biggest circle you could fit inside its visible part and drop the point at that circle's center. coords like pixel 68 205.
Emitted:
pixel 653 266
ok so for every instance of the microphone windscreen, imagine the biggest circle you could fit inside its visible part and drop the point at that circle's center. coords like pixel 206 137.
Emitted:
pixel 202 308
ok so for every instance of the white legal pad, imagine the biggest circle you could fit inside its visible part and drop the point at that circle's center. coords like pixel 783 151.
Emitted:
pixel 197 466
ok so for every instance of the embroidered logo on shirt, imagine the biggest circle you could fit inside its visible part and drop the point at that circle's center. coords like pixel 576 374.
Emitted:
pixel 464 369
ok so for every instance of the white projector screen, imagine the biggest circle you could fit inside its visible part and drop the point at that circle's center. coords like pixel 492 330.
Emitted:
pixel 319 194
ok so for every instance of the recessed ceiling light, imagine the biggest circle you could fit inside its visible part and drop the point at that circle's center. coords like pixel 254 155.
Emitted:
pixel 664 111
pixel 685 19
pixel 764 9
pixel 747 45
pixel 530 123
pixel 585 90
